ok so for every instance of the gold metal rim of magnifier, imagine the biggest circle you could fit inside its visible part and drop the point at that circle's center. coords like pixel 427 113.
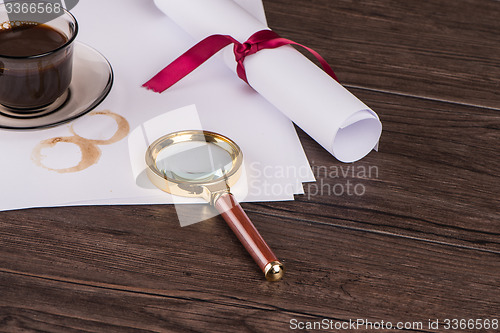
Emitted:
pixel 194 188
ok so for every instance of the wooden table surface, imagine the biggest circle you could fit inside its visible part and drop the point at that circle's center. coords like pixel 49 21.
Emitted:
pixel 421 242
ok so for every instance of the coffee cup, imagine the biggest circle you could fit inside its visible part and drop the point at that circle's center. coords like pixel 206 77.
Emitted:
pixel 36 61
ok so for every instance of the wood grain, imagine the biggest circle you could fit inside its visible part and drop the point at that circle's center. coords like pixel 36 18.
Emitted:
pixel 436 176
pixel 422 242
pixel 445 50
pixel 333 273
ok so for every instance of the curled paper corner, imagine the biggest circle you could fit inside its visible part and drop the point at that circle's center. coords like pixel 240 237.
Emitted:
pixel 357 136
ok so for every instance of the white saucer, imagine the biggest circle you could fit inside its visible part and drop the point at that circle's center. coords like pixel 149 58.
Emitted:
pixel 91 83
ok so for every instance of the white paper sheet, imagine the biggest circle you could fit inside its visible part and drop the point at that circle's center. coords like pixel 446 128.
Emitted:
pixel 330 114
pixel 255 8
pixel 137 38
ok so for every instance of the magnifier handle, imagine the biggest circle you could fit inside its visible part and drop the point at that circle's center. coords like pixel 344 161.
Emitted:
pixel 248 235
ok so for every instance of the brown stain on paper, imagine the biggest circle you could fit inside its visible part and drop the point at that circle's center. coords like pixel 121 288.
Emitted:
pixel 88 147
pixel 90 153
pixel 121 132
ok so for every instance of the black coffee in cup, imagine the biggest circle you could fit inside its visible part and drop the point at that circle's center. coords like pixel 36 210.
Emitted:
pixel 24 40
pixel 36 58
pixel 37 67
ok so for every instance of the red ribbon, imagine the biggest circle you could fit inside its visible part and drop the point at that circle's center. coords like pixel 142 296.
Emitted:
pixel 204 50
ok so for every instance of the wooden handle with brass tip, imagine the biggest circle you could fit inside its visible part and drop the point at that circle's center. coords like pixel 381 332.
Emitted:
pixel 248 235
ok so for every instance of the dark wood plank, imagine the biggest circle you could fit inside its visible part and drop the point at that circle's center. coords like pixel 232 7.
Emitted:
pixel 135 268
pixel 436 176
pixel 421 243
pixel 447 50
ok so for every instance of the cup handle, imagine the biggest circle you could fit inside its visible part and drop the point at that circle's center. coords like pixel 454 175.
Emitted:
pixel 237 219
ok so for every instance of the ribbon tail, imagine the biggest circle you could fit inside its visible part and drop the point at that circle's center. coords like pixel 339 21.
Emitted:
pixel 188 62
pixel 326 67
pixel 268 39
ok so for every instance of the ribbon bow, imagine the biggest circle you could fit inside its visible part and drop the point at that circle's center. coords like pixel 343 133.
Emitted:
pixel 208 47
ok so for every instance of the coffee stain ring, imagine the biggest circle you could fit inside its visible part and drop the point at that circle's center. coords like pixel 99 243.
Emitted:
pixel 122 130
pixel 88 147
pixel 90 153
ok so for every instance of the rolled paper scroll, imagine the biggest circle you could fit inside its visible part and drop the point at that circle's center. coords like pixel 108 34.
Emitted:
pixel 318 104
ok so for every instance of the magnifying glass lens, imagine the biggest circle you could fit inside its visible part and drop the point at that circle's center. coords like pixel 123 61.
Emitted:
pixel 206 164
pixel 194 161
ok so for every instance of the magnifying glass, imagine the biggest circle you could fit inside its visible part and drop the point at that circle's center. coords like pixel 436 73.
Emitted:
pixel 206 164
